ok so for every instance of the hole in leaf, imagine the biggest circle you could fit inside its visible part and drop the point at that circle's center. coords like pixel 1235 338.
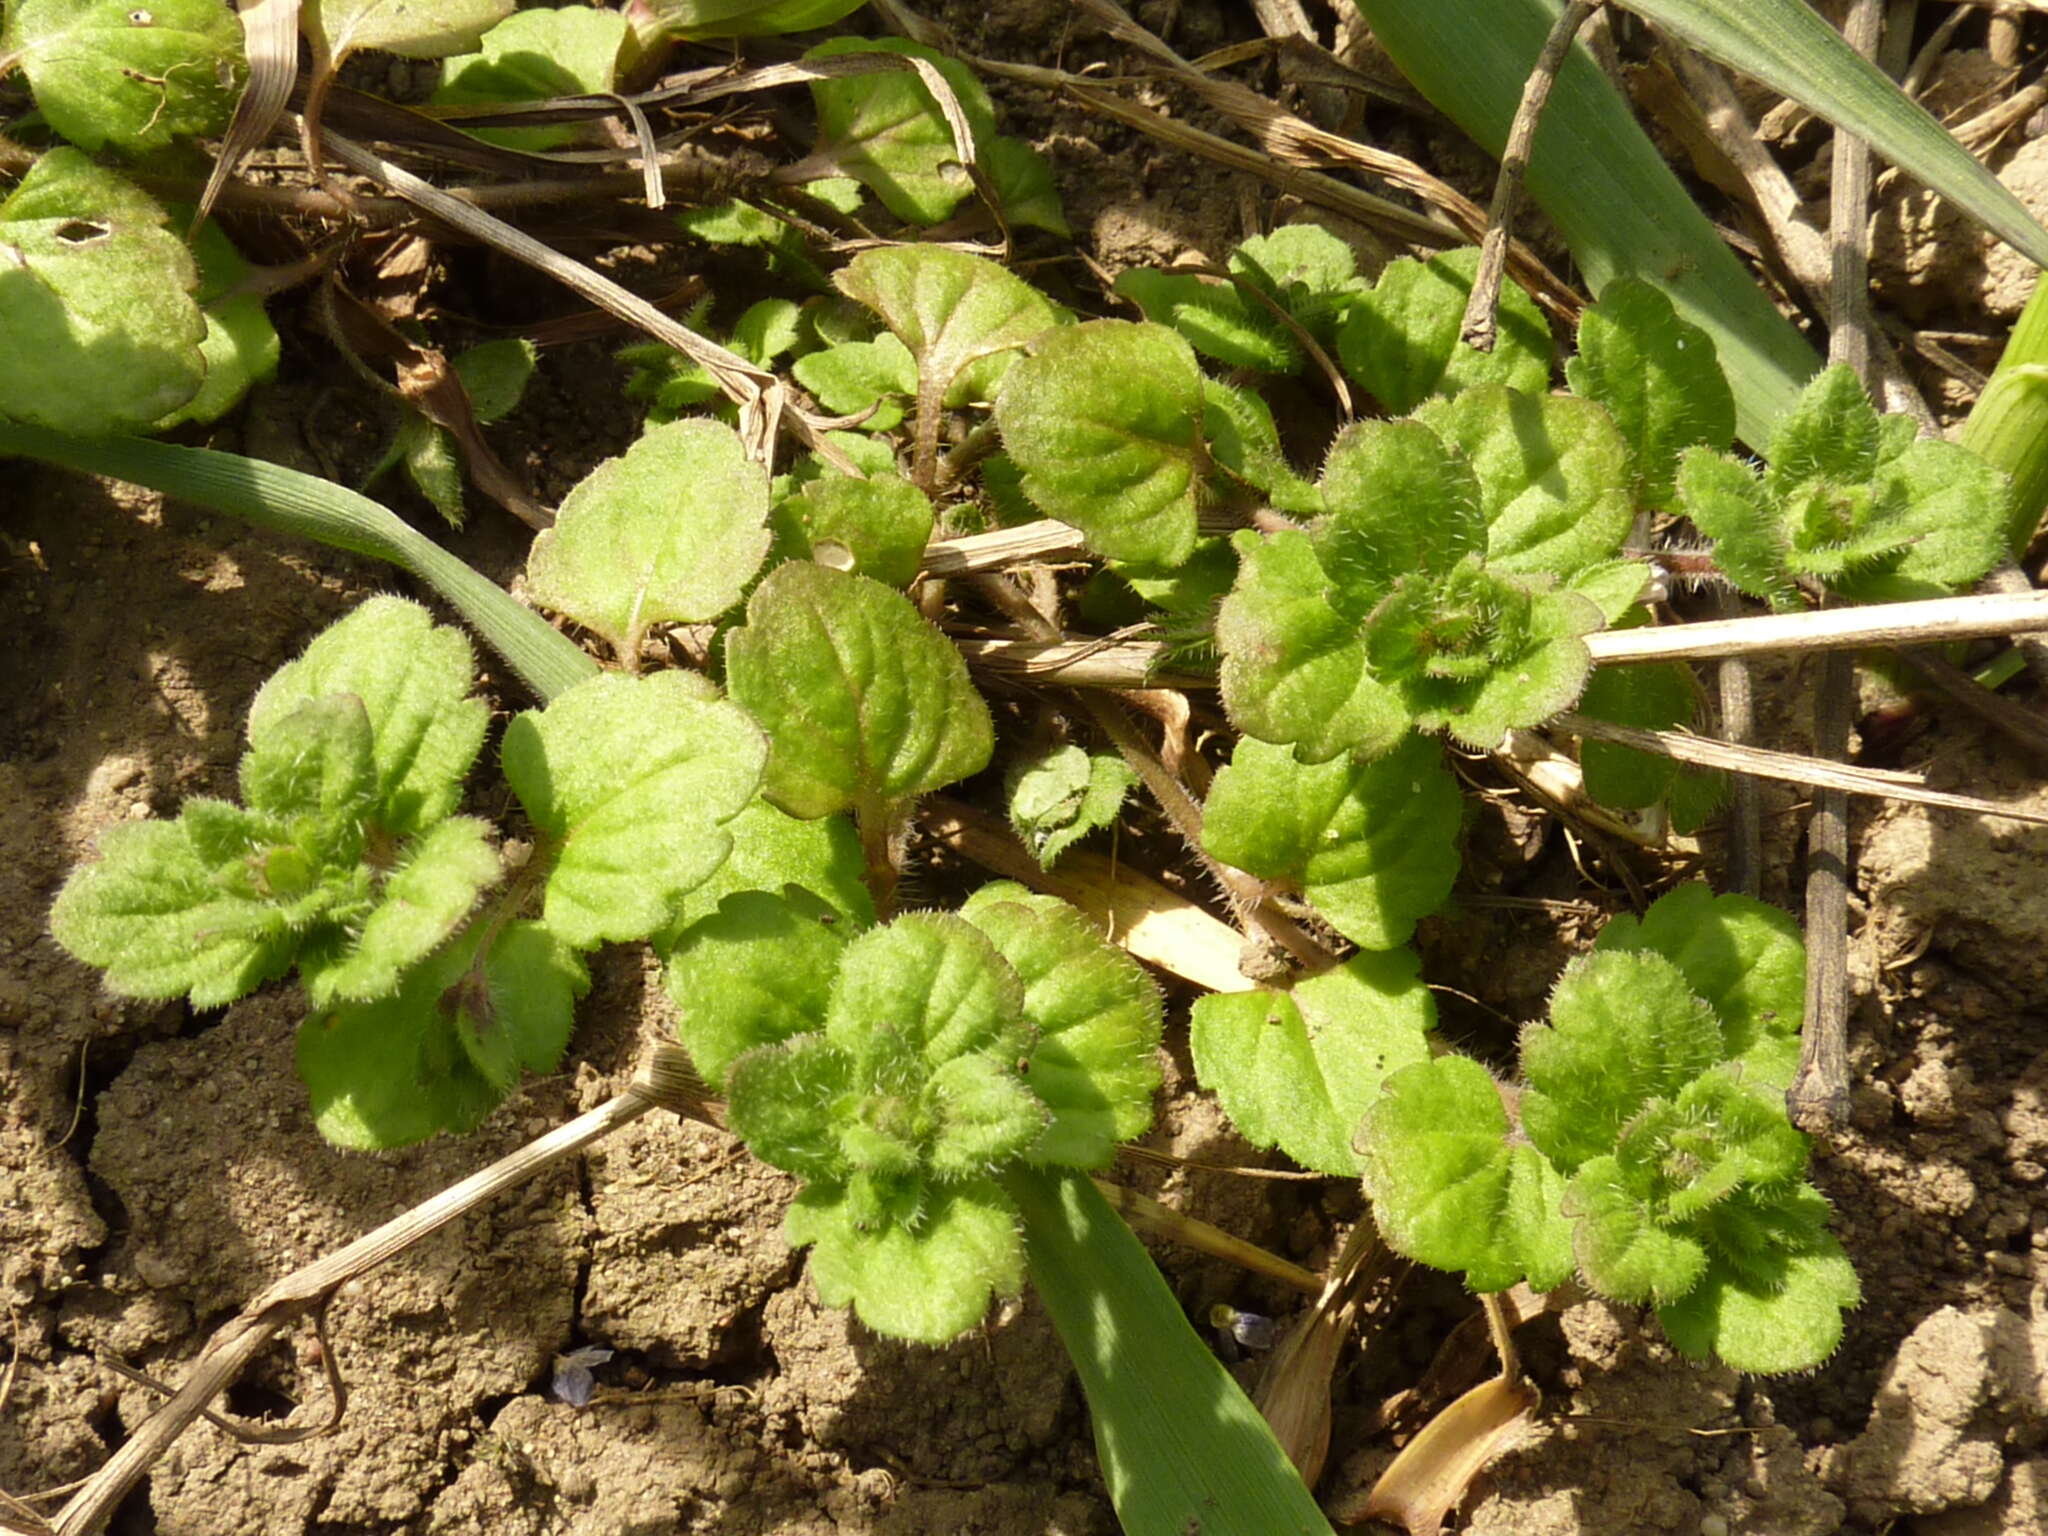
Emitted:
pixel 81 231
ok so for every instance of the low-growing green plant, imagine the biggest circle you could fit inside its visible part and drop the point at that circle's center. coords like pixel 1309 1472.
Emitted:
pixel 1646 1147
pixel 934 1078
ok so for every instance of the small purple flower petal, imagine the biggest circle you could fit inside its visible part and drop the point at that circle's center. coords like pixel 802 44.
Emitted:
pixel 573 1382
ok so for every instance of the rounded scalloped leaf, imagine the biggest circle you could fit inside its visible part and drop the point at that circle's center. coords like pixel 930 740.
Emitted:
pixel 931 980
pixel 1095 1063
pixel 881 524
pixel 756 971
pixel 162 919
pixel 1659 378
pixel 1624 1029
pixel 1401 504
pixel 865 704
pixel 634 779
pixel 929 1286
pixel 1553 475
pixel 887 131
pixel 1746 958
pixel 1448 1189
pixel 949 308
pixel 1294 671
pixel 413 29
pixel 1104 420
pixel 1298 1069
pixel 99 294
pixel 1373 846
pixel 133 77
pixel 414 677
pixel 1623 1252
pixel 1400 341
pixel 1792 1324
pixel 669 532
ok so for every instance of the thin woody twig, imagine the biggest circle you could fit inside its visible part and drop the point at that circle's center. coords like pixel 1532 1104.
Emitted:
pixel 307 1291
pixel 1479 327
pixel 1818 1100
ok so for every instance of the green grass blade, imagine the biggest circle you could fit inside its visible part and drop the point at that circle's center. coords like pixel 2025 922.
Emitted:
pixel 1786 45
pixel 1182 1448
pixel 286 501
pixel 1618 206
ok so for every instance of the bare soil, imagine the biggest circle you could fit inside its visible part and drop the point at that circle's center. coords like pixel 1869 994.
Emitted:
pixel 157 1166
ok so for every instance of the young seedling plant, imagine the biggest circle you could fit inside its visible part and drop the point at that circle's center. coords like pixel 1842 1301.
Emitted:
pixel 1430 582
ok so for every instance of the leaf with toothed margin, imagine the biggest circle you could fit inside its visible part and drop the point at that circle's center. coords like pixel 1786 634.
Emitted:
pixel 1294 668
pixel 1373 846
pixel 1552 471
pixel 865 704
pixel 100 295
pixel 1743 957
pixel 929 1285
pixel 1061 797
pixel 436 883
pixel 1781 1309
pixel 134 77
pixel 1624 1029
pixel 951 310
pixel 756 971
pixel 1218 321
pixel 441 1053
pixel 1104 421
pixel 1297 1069
pixel 1449 1189
pixel 1659 378
pixel 887 131
pixel 669 532
pixel 633 781
pixel 1095 1063
pixel 882 524
pixel 414 678
pixel 1400 341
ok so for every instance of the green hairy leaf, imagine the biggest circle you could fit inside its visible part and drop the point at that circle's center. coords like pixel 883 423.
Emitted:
pixel 1852 501
pixel 1400 339
pixel 1624 1028
pixel 772 850
pixel 1781 1311
pixel 929 1285
pixel 887 132
pixel 345 856
pixel 113 74
pixel 1659 379
pixel 1245 443
pixel 1094 1062
pixel 865 704
pixel 1022 181
pixel 1552 472
pixel 1294 669
pixel 442 1052
pixel 669 532
pixel 854 376
pixel 240 347
pixel 532 56
pixel 1307 271
pixel 1060 798
pixel 1104 420
pixel 949 309
pixel 100 294
pixel 878 526
pixel 414 679
pixel 1651 697
pixel 1449 1189
pixel 1743 957
pixel 632 781
pixel 757 970
pixel 1373 846
pixel 1217 320
pixel 1298 1069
